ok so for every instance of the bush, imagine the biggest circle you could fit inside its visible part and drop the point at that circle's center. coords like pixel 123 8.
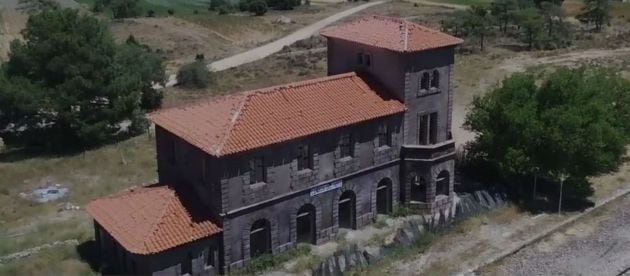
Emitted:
pixel 243 5
pixel 194 75
pixel 258 7
pixel 283 4
pixel 221 6
pixel 125 8
pixel 170 11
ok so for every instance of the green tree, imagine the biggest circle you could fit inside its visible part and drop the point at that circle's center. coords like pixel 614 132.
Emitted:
pixel 138 60
pixel 596 11
pixel 479 22
pixel 125 8
pixel 65 86
pixel 503 10
pixel 532 23
pixel 258 7
pixel 565 126
pixel 194 75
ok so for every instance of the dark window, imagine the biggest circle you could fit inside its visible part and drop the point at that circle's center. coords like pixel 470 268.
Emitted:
pixel 260 238
pixel 435 79
pixel 427 128
pixel 424 81
pixel 384 135
pixel 442 183
pixel 360 58
pixel 304 158
pixel 257 170
pixel 345 146
pixel 423 128
pixel 210 257
pixel 433 128
pixel 187 264
pixel 368 60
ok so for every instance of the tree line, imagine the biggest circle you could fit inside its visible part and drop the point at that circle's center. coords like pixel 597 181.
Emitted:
pixel 538 24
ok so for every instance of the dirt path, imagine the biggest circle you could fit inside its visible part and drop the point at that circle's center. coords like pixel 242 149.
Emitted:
pixel 275 46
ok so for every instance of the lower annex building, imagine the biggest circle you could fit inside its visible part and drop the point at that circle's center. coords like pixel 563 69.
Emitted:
pixel 258 172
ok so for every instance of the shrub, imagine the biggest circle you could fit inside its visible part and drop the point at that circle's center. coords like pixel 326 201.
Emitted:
pixel 283 4
pixel 243 5
pixel 170 11
pixel 125 8
pixel 221 6
pixel 258 7
pixel 150 13
pixel 194 75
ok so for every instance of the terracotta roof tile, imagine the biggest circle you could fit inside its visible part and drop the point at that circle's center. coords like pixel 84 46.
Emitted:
pixel 253 119
pixel 152 219
pixel 391 33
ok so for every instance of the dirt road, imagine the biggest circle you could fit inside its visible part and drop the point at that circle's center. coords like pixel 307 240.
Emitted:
pixel 275 46
pixel 597 245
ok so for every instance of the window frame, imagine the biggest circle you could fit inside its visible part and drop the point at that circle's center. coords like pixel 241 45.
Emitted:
pixel 346 146
pixel 384 135
pixel 435 84
pixel 257 170
pixel 304 157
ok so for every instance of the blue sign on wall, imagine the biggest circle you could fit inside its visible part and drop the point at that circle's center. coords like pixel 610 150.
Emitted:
pixel 325 188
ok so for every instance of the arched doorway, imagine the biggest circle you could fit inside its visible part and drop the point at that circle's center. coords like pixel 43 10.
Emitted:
pixel 306 229
pixel 418 189
pixel 442 183
pixel 347 205
pixel 384 196
pixel 260 238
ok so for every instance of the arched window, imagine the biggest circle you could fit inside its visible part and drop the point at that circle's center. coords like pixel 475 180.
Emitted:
pixel 346 208
pixel 418 188
pixel 260 238
pixel 435 79
pixel 384 196
pixel 442 183
pixel 306 229
pixel 424 81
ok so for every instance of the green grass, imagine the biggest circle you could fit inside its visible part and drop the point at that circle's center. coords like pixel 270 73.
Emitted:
pixel 268 261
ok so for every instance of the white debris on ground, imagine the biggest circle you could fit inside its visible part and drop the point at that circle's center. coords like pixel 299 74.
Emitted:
pixel 284 20
pixel 50 192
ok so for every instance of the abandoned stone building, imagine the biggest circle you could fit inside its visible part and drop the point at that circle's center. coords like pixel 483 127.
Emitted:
pixel 260 171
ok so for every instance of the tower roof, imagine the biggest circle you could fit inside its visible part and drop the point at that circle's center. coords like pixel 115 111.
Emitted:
pixel 253 119
pixel 393 34
pixel 152 219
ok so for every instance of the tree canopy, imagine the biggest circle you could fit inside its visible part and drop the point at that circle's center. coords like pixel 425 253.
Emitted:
pixel 69 85
pixel 574 123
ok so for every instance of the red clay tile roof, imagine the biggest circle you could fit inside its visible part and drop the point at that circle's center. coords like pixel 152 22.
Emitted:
pixel 253 119
pixel 391 33
pixel 151 219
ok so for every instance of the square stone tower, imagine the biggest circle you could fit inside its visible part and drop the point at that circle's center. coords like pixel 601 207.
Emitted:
pixel 415 65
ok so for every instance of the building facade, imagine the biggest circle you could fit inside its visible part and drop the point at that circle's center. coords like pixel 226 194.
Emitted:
pixel 260 171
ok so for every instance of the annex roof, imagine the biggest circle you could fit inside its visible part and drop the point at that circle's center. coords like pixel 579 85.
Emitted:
pixel 391 33
pixel 151 219
pixel 252 119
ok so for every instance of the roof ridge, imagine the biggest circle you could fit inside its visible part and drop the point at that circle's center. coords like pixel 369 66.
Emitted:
pixel 302 83
pixel 156 224
pixel 233 122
